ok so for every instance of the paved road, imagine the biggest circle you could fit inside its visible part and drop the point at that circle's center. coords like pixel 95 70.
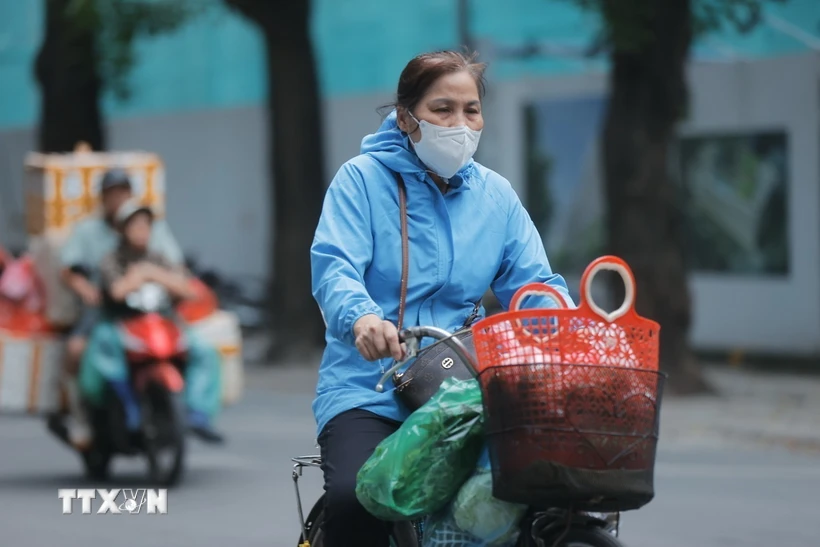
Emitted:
pixel 710 492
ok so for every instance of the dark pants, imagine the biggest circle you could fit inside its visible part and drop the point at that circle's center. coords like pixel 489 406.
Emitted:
pixel 347 441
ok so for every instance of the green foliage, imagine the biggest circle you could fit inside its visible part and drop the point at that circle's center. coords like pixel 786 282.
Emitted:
pixel 719 15
pixel 117 24
pixel 628 22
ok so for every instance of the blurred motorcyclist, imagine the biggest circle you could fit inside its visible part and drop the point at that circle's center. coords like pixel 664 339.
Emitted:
pixel 123 271
pixel 91 240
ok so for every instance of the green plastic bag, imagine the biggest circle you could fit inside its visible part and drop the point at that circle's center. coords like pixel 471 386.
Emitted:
pixel 418 469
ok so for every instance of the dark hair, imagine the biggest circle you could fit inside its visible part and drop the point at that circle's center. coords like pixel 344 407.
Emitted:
pixel 423 70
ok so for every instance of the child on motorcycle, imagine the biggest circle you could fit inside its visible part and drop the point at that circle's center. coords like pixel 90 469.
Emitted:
pixel 123 271
pixel 133 264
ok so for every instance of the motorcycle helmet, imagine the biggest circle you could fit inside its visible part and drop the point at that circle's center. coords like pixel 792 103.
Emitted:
pixel 114 178
pixel 128 210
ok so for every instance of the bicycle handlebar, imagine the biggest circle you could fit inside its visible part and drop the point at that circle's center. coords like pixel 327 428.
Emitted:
pixel 412 336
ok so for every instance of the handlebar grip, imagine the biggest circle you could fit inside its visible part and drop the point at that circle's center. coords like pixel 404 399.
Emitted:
pixel 411 332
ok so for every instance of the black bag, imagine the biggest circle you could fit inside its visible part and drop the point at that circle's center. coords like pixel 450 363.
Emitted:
pixel 437 362
pixel 422 379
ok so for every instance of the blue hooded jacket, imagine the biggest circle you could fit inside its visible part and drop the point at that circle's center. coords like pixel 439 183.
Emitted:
pixel 476 236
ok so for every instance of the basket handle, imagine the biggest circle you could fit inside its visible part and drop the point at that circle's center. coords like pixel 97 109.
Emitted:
pixel 615 264
pixel 533 289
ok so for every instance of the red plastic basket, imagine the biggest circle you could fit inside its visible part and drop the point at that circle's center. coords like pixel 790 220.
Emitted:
pixel 583 335
pixel 571 399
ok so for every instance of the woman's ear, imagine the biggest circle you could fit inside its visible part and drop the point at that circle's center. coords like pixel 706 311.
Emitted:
pixel 402 119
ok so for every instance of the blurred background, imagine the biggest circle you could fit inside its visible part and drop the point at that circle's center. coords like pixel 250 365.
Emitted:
pixel 681 135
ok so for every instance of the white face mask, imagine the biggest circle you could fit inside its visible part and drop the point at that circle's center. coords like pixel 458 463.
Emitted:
pixel 445 150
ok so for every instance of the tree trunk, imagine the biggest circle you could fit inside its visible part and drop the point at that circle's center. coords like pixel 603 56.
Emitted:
pixel 648 97
pixel 297 167
pixel 70 85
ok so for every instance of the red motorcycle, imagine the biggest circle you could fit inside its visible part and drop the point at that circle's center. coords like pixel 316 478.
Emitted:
pixel 144 415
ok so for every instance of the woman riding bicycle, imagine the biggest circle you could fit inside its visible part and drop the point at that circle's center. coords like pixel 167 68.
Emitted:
pixel 468 231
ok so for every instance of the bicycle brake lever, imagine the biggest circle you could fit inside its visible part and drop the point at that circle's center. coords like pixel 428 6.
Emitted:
pixel 412 349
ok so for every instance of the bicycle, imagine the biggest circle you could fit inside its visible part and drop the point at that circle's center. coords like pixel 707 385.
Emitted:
pixel 541 527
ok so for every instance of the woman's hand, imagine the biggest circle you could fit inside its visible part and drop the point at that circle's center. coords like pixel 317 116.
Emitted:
pixel 89 294
pixel 133 279
pixel 174 281
pixel 149 272
pixel 87 291
pixel 136 272
pixel 376 339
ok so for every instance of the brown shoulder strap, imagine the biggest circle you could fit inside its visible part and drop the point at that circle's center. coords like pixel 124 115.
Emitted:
pixel 405 251
pixel 405 258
